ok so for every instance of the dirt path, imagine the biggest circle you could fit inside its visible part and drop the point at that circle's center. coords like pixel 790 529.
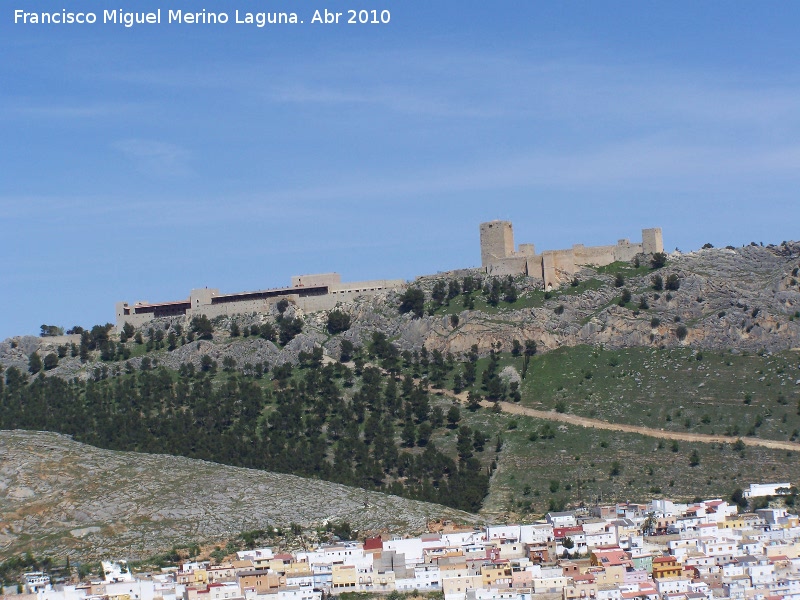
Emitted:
pixel 516 409
pixel 703 438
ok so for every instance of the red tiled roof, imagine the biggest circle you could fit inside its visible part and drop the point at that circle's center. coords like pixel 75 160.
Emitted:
pixel 373 543
pixel 779 557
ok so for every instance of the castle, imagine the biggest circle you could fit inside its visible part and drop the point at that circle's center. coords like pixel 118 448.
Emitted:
pixel 325 290
pixel 552 267
pixel 308 292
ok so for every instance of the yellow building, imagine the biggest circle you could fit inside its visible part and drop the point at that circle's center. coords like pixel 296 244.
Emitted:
pixel 344 577
pixel 297 569
pixel 195 577
pixel 732 522
pixel 496 576
pixel 666 566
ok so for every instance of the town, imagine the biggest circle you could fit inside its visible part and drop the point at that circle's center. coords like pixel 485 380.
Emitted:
pixel 661 550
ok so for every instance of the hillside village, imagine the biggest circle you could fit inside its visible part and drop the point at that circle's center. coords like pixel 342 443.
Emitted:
pixel 656 551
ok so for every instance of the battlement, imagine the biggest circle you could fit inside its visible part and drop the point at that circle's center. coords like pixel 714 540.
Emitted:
pixel 498 256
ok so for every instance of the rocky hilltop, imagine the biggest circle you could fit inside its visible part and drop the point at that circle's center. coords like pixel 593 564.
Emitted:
pixel 744 298
pixel 67 498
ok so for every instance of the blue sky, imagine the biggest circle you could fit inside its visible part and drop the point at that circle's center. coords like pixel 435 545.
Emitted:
pixel 140 163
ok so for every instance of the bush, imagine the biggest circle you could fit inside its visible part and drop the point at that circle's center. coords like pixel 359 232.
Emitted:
pixel 673 283
pixel 737 497
pixel 338 321
pixel 207 364
pixel 681 332
pixel 658 282
pixel 50 362
pixel 659 260
pixel 202 327
pixel 290 328
pixel 413 300
pixel 346 351
pixel 34 363
pixel 266 331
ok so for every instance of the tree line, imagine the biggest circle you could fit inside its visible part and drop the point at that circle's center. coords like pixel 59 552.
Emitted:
pixel 360 427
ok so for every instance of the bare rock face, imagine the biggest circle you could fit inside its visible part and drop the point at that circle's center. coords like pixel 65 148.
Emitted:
pixel 77 500
pixel 744 298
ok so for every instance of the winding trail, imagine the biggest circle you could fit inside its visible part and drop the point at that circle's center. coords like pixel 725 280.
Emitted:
pixel 704 438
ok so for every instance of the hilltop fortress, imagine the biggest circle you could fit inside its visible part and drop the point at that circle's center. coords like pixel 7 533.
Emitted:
pixel 325 290
pixel 308 292
pixel 552 267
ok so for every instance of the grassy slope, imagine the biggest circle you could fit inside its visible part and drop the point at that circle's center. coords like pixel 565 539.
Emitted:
pixel 723 392
pixel 581 461
pixel 643 387
pixel 671 389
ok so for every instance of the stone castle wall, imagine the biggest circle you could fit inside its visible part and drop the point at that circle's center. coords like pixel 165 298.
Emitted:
pixel 554 266
pixel 310 293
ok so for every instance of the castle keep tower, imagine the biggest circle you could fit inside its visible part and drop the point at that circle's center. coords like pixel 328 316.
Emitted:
pixel 652 241
pixel 497 241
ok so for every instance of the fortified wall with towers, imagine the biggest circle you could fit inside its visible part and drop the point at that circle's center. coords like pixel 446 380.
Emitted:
pixel 553 267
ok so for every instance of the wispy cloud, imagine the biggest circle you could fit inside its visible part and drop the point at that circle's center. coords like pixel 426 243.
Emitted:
pixel 470 85
pixel 16 109
pixel 398 99
pixel 155 158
